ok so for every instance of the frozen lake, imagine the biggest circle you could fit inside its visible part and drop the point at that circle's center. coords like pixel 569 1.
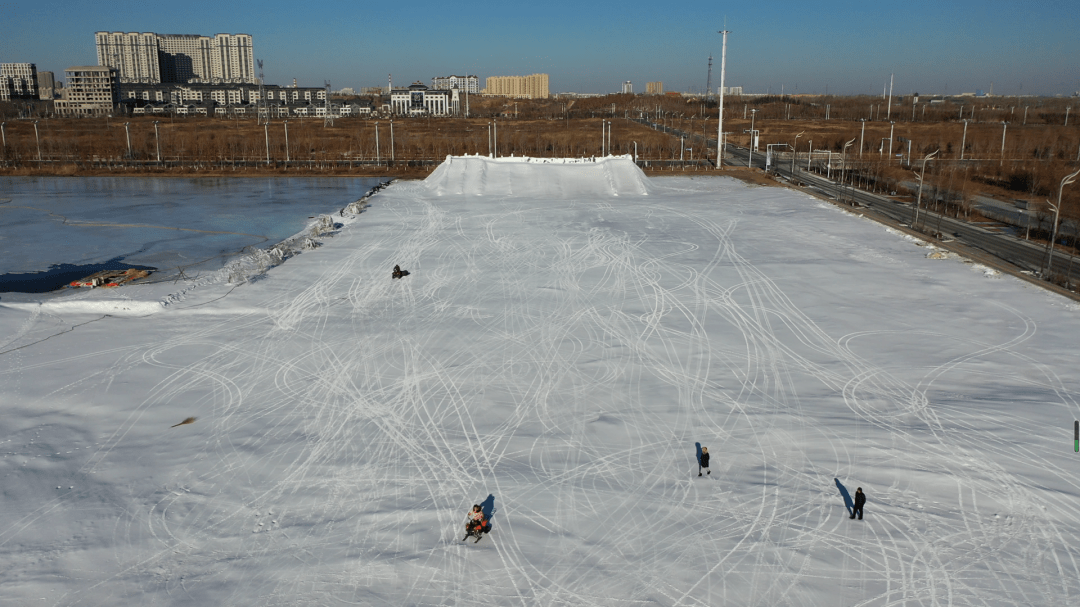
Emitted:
pixel 194 224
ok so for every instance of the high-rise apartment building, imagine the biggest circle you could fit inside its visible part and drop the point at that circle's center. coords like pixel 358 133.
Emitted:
pixel 534 86
pixel 466 83
pixel 654 88
pixel 628 88
pixel 90 90
pixel 18 81
pixel 46 85
pixel 151 58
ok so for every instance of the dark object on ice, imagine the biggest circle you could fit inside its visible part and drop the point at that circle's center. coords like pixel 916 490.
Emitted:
pixel 190 420
pixel 703 461
pixel 399 273
pixel 860 501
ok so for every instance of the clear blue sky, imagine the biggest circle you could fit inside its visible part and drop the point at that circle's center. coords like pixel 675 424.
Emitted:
pixel 938 46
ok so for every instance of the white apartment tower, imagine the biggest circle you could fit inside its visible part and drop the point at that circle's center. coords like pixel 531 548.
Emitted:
pixel 18 81
pixel 150 58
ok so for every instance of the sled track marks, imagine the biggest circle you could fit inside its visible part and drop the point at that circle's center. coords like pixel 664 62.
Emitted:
pixel 564 356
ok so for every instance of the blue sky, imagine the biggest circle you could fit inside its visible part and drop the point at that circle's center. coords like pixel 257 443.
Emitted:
pixel 850 47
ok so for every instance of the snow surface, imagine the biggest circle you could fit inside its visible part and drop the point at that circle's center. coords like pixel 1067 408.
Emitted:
pixel 568 333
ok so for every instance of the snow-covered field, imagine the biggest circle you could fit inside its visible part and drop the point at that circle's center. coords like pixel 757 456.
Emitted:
pixel 568 333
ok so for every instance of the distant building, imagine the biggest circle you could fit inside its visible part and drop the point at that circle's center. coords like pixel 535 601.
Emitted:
pixel 347 92
pixel 654 88
pixel 534 86
pixel 18 81
pixel 91 90
pixel 150 58
pixel 46 85
pixel 136 95
pixel 373 90
pixel 733 90
pixel 419 100
pixel 628 88
pixel 470 84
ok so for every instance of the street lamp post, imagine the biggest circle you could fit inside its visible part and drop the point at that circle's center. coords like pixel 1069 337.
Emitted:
pixel 1057 209
pixel 963 141
pixel 843 162
pixel 794 151
pixel 286 123
pixel 378 155
pixel 809 154
pixel 862 136
pixel 892 125
pixel 3 134
pixel 266 132
pixel 1004 127
pixel 127 132
pixel 392 158
pixel 918 199
pixel 750 159
pixel 157 141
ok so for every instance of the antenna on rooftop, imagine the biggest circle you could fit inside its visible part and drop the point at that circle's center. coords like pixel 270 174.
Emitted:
pixel 329 119
pixel 708 81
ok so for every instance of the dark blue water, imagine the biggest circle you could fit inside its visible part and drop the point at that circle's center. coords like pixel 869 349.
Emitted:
pixel 54 227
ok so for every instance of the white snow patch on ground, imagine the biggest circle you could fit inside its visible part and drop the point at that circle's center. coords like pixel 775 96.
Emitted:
pixel 562 353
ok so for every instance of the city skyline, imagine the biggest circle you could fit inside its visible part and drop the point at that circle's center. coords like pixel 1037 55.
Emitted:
pixel 841 48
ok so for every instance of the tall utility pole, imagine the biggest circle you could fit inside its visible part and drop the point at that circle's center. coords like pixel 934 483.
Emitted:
pixel 720 122
pixel 888 111
pixel 262 95
pixel 708 83
pixel 157 138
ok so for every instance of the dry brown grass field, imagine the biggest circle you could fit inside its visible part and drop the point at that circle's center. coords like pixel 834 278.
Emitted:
pixel 1039 147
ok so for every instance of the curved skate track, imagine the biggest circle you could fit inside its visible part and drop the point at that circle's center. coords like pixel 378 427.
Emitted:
pixel 561 352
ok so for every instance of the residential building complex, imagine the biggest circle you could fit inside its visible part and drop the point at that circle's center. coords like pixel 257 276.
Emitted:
pixel 18 81
pixel 213 99
pixel 470 84
pixel 534 86
pixel 628 88
pixel 46 85
pixel 419 100
pixel 654 88
pixel 91 90
pixel 150 58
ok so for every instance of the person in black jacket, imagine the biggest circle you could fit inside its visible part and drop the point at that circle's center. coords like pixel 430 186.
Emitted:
pixel 860 500
pixel 704 463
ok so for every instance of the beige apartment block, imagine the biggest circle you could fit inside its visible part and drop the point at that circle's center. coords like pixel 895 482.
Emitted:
pixel 534 86
pixel 91 90
pixel 654 88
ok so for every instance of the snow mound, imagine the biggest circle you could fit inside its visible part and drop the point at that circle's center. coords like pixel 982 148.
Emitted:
pixel 562 178
pixel 111 307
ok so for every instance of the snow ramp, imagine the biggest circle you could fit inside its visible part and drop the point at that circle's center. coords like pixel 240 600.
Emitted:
pixel 538 177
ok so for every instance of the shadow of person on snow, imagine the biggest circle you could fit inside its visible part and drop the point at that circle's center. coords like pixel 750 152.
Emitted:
pixel 488 506
pixel 847 496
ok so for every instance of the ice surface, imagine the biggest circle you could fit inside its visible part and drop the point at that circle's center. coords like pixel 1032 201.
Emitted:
pixel 561 354
pixel 198 224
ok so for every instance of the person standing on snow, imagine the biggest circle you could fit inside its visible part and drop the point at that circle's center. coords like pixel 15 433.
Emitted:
pixel 860 500
pixel 704 462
